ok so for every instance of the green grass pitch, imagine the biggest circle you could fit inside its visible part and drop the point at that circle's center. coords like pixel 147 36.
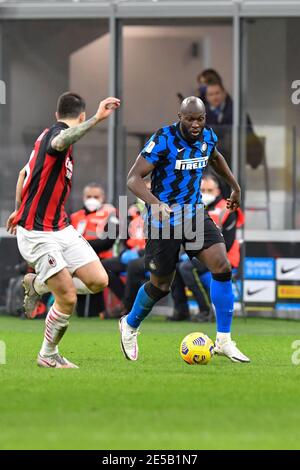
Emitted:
pixel 158 402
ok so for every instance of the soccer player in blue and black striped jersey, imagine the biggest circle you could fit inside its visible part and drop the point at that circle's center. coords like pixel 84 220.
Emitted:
pixel 176 157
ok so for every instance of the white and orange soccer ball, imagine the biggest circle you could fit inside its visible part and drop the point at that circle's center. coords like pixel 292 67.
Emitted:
pixel 197 348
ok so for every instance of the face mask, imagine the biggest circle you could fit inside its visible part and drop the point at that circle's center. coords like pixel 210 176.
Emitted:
pixel 92 204
pixel 208 199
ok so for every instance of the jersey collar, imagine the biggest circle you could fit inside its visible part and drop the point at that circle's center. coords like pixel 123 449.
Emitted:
pixel 62 124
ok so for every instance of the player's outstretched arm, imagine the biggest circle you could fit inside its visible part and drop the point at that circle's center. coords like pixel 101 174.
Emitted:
pixel 69 136
pixel 10 227
pixel 219 164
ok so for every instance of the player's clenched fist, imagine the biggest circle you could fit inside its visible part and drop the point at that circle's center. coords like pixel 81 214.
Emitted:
pixel 106 107
pixel 233 203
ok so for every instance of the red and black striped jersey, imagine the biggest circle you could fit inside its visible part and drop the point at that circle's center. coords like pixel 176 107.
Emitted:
pixel 47 184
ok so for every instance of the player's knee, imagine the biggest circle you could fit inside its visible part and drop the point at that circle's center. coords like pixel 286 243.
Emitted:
pixel 97 285
pixel 165 288
pixel 162 283
pixel 226 266
pixel 157 292
pixel 222 266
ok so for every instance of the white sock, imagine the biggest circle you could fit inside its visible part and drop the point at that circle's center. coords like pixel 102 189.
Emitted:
pixel 56 325
pixel 40 287
pixel 81 288
pixel 223 337
pixel 48 349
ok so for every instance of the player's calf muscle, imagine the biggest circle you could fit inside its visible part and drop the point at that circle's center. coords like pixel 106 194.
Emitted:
pixel 61 286
pixel 65 302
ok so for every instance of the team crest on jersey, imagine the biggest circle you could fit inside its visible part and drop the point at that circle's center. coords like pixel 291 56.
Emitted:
pixel 204 147
pixel 191 163
pixel 52 261
pixel 69 168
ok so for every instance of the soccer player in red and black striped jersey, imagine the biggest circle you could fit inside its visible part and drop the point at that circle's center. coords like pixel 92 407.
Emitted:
pixel 63 261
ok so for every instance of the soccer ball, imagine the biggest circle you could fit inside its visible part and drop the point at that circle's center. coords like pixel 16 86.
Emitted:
pixel 197 348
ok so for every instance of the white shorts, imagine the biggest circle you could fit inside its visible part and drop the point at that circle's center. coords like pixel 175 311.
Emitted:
pixel 50 252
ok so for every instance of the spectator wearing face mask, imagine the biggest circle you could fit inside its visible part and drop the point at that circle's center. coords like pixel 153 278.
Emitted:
pixel 92 222
pixel 204 78
pixel 195 275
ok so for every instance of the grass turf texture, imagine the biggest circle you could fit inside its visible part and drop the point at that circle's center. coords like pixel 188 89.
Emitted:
pixel 158 402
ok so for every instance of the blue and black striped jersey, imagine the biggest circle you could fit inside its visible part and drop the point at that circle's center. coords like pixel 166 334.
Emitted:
pixel 179 164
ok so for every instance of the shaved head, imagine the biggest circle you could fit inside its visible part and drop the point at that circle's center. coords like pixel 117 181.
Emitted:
pixel 192 118
pixel 192 105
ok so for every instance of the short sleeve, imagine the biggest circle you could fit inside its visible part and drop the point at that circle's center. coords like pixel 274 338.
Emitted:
pixel 56 130
pixel 154 148
pixel 214 139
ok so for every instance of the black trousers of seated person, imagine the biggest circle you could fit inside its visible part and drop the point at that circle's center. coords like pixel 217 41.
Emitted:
pixel 188 275
pixel 135 277
pixel 90 305
pixel 114 269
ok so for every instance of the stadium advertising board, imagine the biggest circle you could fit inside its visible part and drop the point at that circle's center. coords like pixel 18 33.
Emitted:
pixel 272 283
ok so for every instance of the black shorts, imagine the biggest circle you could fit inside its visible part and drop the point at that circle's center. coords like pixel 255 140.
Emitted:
pixel 161 256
